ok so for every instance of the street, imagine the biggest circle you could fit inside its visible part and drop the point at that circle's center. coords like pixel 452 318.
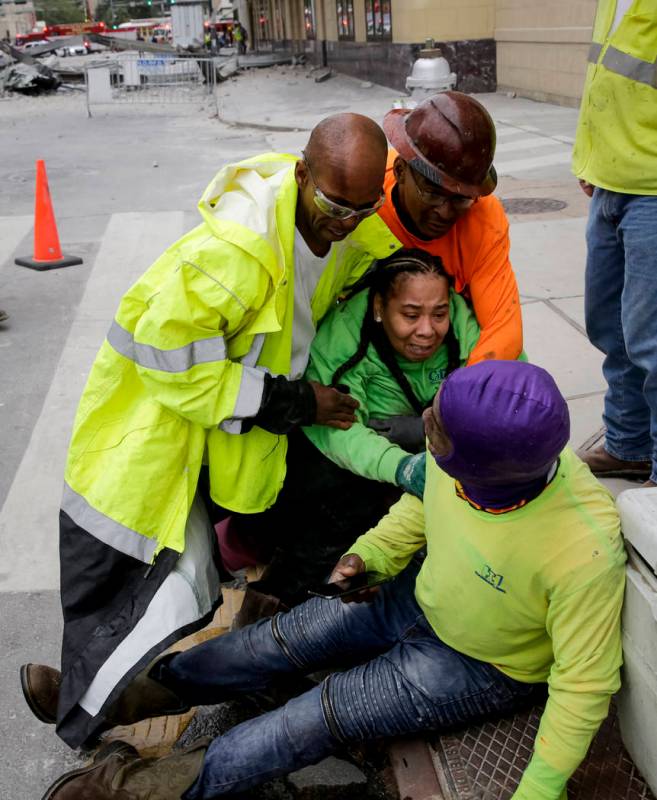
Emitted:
pixel 124 185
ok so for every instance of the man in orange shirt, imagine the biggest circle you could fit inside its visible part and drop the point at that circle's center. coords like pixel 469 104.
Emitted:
pixel 438 197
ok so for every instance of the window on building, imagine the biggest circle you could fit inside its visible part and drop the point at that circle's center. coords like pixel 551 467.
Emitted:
pixel 309 18
pixel 263 30
pixel 378 19
pixel 345 12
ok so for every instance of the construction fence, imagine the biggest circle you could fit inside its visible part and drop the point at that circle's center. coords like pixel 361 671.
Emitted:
pixel 135 79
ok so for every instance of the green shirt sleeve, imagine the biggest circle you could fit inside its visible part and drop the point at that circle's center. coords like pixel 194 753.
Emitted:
pixel 584 626
pixel 389 546
pixel 359 449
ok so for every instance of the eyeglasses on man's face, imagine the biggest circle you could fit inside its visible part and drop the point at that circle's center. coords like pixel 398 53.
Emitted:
pixel 432 195
pixel 335 210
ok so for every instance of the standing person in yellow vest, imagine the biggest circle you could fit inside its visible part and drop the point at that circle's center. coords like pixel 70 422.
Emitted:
pixel 615 158
pixel 239 36
pixel 203 363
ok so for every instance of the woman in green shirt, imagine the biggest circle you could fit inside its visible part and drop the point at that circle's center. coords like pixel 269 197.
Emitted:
pixel 390 345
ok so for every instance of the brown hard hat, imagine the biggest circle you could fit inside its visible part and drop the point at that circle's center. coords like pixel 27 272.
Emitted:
pixel 450 139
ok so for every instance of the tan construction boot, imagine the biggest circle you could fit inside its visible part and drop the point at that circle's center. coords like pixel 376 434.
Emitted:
pixel 40 685
pixel 118 773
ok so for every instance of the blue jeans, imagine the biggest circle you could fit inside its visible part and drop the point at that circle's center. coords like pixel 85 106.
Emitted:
pixel 621 318
pixel 403 679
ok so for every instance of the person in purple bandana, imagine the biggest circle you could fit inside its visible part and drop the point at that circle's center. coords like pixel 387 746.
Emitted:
pixel 505 457
pixel 518 599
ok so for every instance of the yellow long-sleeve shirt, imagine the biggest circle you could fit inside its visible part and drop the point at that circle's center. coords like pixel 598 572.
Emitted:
pixel 537 592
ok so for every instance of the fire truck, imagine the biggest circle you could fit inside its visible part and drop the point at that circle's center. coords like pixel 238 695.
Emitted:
pixel 50 32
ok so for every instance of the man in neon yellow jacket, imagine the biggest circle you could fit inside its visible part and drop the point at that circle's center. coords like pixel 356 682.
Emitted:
pixel 203 362
pixel 615 158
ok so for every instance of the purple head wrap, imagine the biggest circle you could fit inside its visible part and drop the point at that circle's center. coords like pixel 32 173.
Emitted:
pixel 507 422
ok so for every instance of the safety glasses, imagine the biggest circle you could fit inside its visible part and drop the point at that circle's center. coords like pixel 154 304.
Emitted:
pixel 436 199
pixel 335 210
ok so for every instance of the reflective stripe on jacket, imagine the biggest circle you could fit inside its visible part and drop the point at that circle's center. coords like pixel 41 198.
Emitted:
pixel 616 144
pixel 185 357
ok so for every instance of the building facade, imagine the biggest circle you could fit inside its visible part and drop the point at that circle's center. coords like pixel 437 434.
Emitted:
pixel 536 48
pixel 16 17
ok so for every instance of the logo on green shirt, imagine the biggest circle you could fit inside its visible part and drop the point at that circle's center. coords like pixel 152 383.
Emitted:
pixel 437 375
pixel 492 578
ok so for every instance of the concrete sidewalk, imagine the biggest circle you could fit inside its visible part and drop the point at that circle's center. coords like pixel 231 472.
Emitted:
pixel 124 187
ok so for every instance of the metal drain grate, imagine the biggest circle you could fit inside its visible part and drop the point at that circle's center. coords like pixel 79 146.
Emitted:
pixel 532 205
pixel 486 762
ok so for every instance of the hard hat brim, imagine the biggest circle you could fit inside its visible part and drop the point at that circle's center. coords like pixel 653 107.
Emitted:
pixel 394 126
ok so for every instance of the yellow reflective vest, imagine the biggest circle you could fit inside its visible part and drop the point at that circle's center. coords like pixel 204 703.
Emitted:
pixel 184 359
pixel 616 144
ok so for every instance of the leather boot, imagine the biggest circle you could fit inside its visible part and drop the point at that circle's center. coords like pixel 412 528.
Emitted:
pixel 256 605
pixel 118 773
pixel 40 685
pixel 141 699
pixel 145 697
pixel 604 465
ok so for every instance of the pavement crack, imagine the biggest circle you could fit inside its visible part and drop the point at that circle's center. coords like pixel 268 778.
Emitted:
pixel 584 395
pixel 565 317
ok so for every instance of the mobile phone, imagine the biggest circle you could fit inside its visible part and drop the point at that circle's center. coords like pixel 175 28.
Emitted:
pixel 345 586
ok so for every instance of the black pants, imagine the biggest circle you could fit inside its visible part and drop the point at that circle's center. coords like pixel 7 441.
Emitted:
pixel 320 512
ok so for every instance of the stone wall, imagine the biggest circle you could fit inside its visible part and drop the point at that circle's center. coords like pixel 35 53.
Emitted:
pixel 390 63
pixel 537 48
pixel 542 47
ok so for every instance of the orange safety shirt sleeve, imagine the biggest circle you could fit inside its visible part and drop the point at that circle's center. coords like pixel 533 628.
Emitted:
pixel 494 294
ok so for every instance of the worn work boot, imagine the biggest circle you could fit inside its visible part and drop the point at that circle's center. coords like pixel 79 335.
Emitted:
pixel 141 699
pixel 118 773
pixel 604 465
pixel 145 697
pixel 3 315
pixel 40 686
pixel 256 605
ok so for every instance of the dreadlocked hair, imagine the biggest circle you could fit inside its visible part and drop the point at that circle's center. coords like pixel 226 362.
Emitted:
pixel 380 280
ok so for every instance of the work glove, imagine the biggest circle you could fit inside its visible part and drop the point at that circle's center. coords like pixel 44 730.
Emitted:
pixel 285 405
pixel 405 431
pixel 411 474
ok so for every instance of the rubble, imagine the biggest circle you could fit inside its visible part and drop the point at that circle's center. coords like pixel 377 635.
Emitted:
pixel 42 70
pixel 332 773
pixel 24 73
pixel 28 79
pixel 323 75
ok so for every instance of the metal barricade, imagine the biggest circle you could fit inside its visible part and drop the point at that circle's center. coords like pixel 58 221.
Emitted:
pixel 135 79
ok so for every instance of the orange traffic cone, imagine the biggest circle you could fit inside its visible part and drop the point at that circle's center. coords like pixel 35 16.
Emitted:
pixel 47 250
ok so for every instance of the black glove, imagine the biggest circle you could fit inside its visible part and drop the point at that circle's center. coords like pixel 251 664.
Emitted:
pixel 285 405
pixel 405 431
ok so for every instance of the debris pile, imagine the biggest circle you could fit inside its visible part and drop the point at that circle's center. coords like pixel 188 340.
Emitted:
pixel 20 72
pixel 41 69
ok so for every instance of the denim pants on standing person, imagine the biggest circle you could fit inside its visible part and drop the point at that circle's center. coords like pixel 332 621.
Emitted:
pixel 402 680
pixel 621 318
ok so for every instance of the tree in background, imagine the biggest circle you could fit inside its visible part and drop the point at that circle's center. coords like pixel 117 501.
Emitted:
pixel 59 12
pixel 114 12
